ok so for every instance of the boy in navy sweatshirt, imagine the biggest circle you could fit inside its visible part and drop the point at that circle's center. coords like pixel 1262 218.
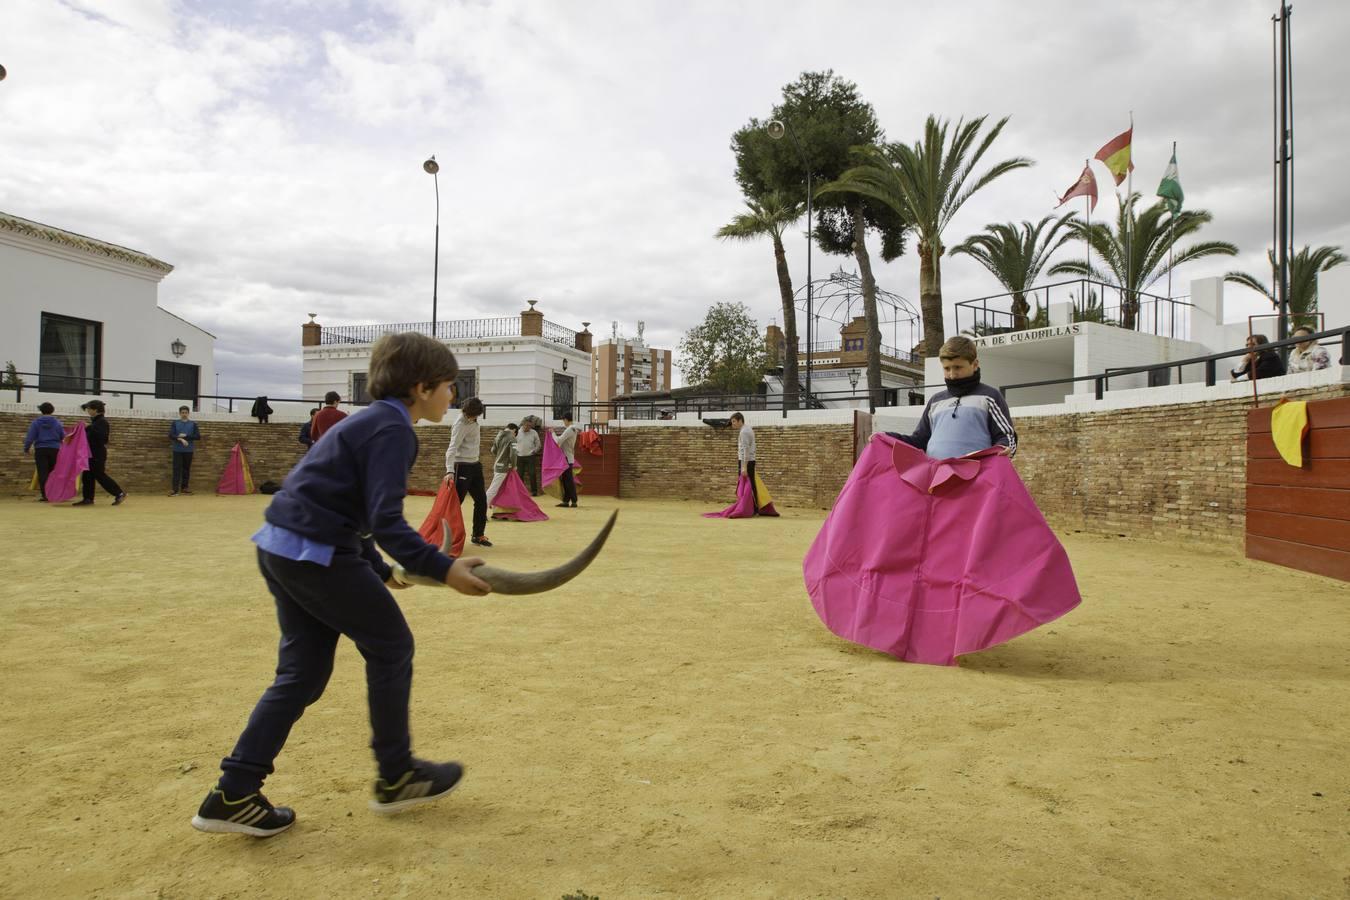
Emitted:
pixel 967 416
pixel 317 554
pixel 44 439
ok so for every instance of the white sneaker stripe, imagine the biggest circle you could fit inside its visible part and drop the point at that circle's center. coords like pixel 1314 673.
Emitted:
pixel 243 813
pixel 254 820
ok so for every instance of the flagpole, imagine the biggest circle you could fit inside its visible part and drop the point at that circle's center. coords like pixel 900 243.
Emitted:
pixel 1171 234
pixel 1129 224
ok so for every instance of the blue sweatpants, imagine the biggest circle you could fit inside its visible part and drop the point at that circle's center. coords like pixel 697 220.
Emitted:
pixel 315 606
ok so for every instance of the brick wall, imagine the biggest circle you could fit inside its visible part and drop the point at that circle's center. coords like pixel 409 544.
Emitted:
pixel 139 454
pixel 1174 472
pixel 802 465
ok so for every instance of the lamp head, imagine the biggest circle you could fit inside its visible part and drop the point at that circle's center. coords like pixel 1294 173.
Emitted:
pixel 2 73
pixel 776 129
pixel 431 167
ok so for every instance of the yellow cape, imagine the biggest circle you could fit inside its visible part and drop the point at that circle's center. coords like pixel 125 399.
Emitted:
pixel 1288 424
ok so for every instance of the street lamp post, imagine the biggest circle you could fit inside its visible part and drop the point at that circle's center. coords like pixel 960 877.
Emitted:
pixel 777 128
pixel 431 167
pixel 853 376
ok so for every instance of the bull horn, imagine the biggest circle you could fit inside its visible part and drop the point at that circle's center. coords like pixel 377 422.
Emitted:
pixel 503 581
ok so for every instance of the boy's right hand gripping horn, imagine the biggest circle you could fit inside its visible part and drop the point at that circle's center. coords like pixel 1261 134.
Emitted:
pixel 504 582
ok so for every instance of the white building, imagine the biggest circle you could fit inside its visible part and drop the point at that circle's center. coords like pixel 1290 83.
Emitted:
pixel 1195 326
pixel 517 365
pixel 80 318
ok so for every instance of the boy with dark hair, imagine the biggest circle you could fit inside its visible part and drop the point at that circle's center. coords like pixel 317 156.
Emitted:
pixel 745 453
pixel 327 417
pixel 567 443
pixel 503 448
pixel 184 435
pixel 306 438
pixel 98 433
pixel 44 438
pixel 317 553
pixel 967 416
pixel 464 468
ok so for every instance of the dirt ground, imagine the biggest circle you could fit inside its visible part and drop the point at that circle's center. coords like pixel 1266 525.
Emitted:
pixel 676 723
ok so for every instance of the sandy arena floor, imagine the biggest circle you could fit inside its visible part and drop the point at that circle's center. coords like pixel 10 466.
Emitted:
pixel 677 723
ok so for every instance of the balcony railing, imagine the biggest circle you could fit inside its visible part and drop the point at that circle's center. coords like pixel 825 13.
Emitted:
pixel 451 330
pixel 1090 301
pixel 837 346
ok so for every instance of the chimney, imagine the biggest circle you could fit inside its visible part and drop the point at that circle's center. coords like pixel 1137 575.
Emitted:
pixel 311 332
pixel 532 321
pixel 775 345
pixel 584 338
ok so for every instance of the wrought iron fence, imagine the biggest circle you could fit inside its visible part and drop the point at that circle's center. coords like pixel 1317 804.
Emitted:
pixel 837 346
pixel 559 335
pixel 1090 301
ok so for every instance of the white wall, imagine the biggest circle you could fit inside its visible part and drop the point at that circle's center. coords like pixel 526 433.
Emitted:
pixel 516 370
pixel 38 276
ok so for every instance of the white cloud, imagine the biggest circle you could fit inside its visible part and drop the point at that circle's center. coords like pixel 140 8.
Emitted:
pixel 272 152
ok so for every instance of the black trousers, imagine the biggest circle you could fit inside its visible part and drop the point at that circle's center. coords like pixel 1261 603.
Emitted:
pixel 750 473
pixel 469 483
pixel 182 470
pixel 528 467
pixel 45 459
pixel 315 606
pixel 98 471
pixel 569 486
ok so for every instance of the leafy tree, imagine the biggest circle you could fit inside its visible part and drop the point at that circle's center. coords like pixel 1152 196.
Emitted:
pixel 1304 267
pixel 725 352
pixel 769 216
pixel 1016 255
pixel 827 118
pixel 1151 234
pixel 926 184
pixel 10 379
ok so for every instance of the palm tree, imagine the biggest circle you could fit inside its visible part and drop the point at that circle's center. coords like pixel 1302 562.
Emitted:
pixel 927 184
pixel 771 214
pixel 1151 234
pixel 1016 255
pixel 1303 271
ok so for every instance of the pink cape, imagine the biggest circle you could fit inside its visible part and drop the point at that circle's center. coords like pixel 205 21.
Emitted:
pixel 927 559
pixel 554 463
pixel 63 483
pixel 445 506
pixel 744 507
pixel 236 479
pixel 514 502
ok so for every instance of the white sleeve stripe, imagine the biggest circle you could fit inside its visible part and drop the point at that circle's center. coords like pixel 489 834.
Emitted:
pixel 1002 421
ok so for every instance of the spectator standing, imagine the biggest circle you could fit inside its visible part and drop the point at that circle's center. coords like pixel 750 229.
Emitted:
pixel 306 439
pixel 183 436
pixel 327 417
pixel 528 450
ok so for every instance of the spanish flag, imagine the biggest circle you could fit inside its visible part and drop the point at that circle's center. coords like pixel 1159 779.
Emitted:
pixel 1116 155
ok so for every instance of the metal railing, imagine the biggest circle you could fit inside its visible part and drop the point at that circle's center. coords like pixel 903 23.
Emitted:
pixel 837 346
pixel 1101 381
pixel 1091 301
pixel 452 330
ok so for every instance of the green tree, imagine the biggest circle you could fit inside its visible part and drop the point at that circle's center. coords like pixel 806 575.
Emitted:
pixel 927 184
pixel 10 379
pixel 1304 268
pixel 725 352
pixel 827 118
pixel 1015 255
pixel 1152 234
pixel 769 216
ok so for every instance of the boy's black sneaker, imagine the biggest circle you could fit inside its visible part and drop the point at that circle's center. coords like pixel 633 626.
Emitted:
pixel 119 498
pixel 482 541
pixel 424 782
pixel 249 815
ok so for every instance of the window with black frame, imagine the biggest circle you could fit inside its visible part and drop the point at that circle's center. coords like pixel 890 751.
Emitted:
pixel 177 381
pixel 466 386
pixel 563 394
pixel 359 392
pixel 69 355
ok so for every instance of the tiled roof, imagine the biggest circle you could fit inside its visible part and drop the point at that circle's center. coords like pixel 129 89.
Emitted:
pixel 32 229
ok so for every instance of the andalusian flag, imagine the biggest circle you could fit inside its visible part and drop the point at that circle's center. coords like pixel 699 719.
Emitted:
pixel 1116 155
pixel 1170 187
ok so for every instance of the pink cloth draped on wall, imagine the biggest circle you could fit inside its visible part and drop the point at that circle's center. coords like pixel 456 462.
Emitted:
pixel 927 559
pixel 63 483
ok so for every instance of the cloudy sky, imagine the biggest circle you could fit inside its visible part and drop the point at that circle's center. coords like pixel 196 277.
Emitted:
pixel 271 149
